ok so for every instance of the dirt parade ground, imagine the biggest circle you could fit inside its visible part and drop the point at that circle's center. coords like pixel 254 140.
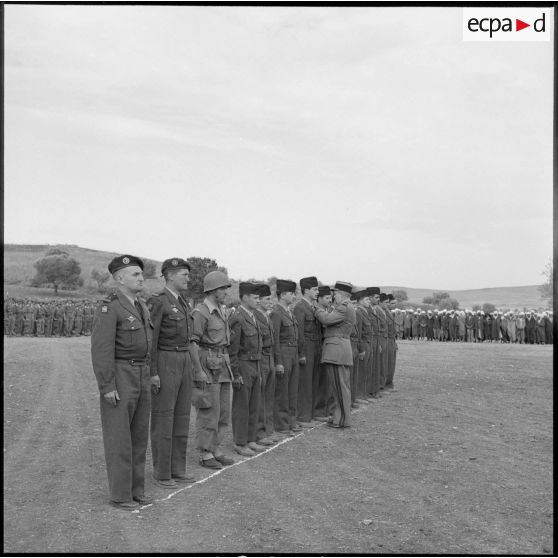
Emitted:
pixel 458 460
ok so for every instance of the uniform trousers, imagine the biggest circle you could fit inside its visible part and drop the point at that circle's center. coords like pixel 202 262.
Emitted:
pixel 365 371
pixel 267 398
pixel 246 403
pixel 354 373
pixel 383 361
pixel 376 356
pixel 392 355
pixel 320 390
pixel 126 431
pixel 170 414
pixel 340 386
pixel 286 390
pixel 213 416
pixel 308 381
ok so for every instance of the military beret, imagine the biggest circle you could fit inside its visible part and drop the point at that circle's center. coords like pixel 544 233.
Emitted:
pixel 308 283
pixel 324 290
pixel 383 297
pixel 175 263
pixel 360 292
pixel 373 291
pixel 124 261
pixel 343 286
pixel 391 297
pixel 264 290
pixel 286 286
pixel 247 288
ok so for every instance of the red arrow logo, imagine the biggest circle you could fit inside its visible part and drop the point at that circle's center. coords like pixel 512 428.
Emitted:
pixel 519 25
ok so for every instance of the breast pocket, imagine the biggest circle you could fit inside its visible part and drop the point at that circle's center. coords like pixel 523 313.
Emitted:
pixel 131 330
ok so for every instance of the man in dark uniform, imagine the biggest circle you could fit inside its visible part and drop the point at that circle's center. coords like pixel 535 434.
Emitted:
pixel 78 319
pixel 391 344
pixel 363 372
pixel 120 348
pixel 383 340
pixel 374 299
pixel 337 354
pixel 171 376
pixel 212 380
pixel 49 315
pixel 355 344
pixel 40 322
pixel 309 341
pixel 286 355
pixel 245 352
pixel 266 433
pixel 69 317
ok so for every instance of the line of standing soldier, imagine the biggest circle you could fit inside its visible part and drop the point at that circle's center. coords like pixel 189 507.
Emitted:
pixel 46 318
pixel 289 365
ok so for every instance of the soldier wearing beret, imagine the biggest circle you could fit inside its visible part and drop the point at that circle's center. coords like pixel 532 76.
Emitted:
pixel 245 352
pixel 286 356
pixel 322 404
pixel 120 349
pixel 171 376
pixel 309 334
pixel 266 435
pixel 212 379
pixel 355 343
pixel 337 354
pixel 383 340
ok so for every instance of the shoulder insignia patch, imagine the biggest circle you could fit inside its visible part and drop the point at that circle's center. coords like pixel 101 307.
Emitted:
pixel 104 309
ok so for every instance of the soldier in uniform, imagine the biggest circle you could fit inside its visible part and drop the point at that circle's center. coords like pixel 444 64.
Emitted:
pixel 212 380
pixel 69 316
pixel 265 432
pixel 355 344
pixel 322 404
pixel 399 319
pixel 78 320
pixel 363 371
pixel 309 345
pixel 423 325
pixel 171 376
pixel 40 320
pixel 120 348
pixel 392 345
pixel 337 354
pixel 374 300
pixel 407 320
pixel 286 355
pixel 245 352
pixel 29 319
pixel 381 311
pixel 57 319
pixel 49 315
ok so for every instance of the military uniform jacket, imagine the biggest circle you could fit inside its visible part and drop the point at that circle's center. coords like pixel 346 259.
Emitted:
pixel 266 329
pixel 246 339
pixel 285 331
pixel 382 321
pixel 339 324
pixel 119 333
pixel 172 325
pixel 374 321
pixel 365 330
pixel 309 329
pixel 390 321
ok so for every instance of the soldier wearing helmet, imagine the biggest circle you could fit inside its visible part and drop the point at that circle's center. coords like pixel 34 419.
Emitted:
pixel 212 379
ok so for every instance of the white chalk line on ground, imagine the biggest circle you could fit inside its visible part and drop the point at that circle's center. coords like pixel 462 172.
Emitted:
pixel 218 472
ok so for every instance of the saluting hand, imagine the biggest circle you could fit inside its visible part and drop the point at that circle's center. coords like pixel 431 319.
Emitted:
pixel 112 397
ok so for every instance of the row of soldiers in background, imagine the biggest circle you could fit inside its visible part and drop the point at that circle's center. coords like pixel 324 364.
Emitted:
pixel 48 318
pixel 288 365
pixel 475 327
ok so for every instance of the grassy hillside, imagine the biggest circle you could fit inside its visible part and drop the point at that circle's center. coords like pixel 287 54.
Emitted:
pixel 19 270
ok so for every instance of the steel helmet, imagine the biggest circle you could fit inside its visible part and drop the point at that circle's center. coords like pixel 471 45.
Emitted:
pixel 215 280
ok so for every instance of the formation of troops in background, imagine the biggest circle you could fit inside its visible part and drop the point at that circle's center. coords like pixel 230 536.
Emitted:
pixel 66 318
pixel 475 326
pixel 48 318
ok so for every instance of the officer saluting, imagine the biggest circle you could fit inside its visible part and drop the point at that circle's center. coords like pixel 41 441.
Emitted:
pixel 172 376
pixel 120 347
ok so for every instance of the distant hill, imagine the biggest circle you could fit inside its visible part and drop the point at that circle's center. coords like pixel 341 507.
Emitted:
pixel 502 297
pixel 19 270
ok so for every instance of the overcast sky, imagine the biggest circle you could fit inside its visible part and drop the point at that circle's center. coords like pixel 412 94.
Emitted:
pixel 369 145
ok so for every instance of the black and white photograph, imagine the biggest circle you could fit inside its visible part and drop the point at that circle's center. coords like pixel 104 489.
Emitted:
pixel 278 278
